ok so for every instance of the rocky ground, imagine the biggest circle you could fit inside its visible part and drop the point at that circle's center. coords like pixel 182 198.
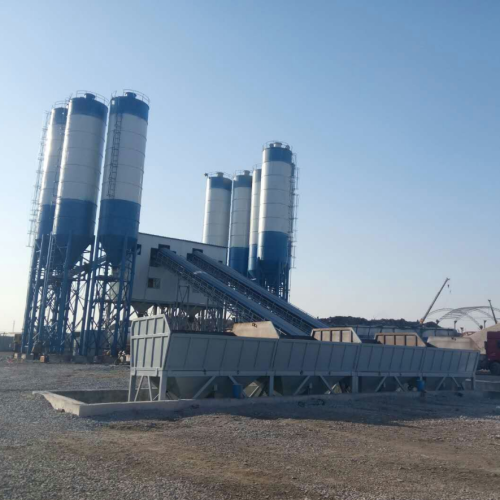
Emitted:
pixel 435 447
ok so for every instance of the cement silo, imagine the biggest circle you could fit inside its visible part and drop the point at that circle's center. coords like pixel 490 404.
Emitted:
pixel 49 163
pixel 123 173
pixel 119 216
pixel 240 222
pixel 217 209
pixel 276 214
pixel 75 214
pixel 254 223
pixel 51 168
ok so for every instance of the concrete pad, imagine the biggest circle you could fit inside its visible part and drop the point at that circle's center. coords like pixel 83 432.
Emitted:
pixel 115 401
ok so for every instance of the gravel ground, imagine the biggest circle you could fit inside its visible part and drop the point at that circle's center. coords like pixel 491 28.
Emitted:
pixel 437 447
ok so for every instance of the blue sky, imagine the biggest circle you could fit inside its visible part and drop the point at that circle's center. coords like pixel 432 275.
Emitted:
pixel 393 109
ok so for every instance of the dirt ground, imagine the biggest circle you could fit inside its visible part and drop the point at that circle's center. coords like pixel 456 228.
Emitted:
pixel 442 446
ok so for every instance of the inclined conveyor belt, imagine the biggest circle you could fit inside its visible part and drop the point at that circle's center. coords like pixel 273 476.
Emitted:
pixel 225 296
pixel 256 293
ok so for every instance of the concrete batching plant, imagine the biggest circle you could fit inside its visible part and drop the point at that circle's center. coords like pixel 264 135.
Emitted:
pixel 81 291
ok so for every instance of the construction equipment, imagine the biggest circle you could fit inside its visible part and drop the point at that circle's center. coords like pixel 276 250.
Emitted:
pixel 422 321
pixel 493 312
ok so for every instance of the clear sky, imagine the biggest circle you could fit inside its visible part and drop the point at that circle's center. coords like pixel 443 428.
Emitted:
pixel 393 109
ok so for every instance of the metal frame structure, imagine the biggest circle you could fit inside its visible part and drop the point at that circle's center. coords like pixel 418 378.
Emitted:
pixel 59 299
pixel 455 315
pixel 109 309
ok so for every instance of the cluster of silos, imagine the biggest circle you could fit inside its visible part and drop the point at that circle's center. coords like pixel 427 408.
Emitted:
pixel 253 216
pixel 69 193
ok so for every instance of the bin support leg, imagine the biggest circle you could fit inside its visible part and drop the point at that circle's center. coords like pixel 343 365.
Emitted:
pixel 355 383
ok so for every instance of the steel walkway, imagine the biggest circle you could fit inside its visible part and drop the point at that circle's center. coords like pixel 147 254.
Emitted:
pixel 223 295
pixel 256 293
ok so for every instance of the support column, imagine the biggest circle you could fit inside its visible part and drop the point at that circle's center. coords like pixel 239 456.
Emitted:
pixel 355 383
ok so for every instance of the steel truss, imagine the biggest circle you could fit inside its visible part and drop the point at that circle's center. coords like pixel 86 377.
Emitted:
pixel 460 313
pixel 108 319
pixel 57 298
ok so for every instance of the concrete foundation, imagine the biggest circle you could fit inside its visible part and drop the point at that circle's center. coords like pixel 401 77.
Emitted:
pixel 97 403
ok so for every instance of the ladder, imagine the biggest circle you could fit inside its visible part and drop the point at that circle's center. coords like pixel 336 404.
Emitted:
pixel 35 202
pixel 115 151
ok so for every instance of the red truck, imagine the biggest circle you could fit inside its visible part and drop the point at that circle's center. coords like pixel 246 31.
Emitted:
pixel 491 360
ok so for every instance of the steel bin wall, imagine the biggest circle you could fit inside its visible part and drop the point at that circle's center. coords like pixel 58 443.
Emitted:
pixel 215 353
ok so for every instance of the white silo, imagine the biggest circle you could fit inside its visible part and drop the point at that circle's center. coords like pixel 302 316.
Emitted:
pixel 80 174
pixel 240 222
pixel 123 174
pixel 217 210
pixel 276 218
pixel 254 223
pixel 50 172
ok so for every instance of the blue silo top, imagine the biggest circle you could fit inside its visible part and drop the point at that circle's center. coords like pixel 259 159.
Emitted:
pixel 277 153
pixel 242 180
pixel 131 105
pixel 89 106
pixel 220 182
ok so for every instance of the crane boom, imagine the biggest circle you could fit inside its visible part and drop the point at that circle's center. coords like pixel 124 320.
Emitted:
pixel 434 301
pixel 493 312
